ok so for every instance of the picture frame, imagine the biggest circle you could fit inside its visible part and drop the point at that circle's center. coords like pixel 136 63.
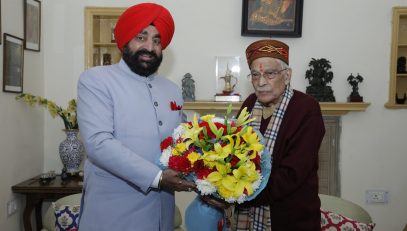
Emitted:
pixel 272 18
pixel 32 25
pixel 13 63
pixel 0 21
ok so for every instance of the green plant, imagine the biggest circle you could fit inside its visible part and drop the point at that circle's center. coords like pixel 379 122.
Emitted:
pixel 68 115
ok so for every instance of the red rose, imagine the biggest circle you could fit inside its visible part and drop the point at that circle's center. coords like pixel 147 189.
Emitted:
pixel 200 169
pixel 166 143
pixel 179 163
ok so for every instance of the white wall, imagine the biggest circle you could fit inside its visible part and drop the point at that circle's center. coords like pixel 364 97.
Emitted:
pixel 354 35
pixel 21 127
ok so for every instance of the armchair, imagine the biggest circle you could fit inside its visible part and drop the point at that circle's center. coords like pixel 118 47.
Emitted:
pixel 75 199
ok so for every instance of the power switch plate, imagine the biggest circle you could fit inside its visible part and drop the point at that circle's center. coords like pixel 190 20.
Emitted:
pixel 377 196
pixel 12 207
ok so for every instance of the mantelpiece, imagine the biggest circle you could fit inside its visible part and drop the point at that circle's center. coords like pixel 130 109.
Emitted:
pixel 327 108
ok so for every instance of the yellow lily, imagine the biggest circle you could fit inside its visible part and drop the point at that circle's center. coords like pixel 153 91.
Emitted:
pixel 252 142
pixel 224 182
pixel 243 118
pixel 245 176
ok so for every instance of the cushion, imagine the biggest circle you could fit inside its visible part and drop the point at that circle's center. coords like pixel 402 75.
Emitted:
pixel 332 222
pixel 66 217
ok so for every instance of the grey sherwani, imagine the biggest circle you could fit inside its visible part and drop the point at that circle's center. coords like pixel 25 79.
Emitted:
pixel 122 119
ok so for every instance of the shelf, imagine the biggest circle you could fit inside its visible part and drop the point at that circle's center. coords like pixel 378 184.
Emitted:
pixel 398 81
pixel 395 106
pixel 328 109
pixel 104 44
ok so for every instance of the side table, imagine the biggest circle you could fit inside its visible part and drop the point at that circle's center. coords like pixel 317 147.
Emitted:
pixel 36 193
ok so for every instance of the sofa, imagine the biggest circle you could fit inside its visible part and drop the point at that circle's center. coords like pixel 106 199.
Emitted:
pixel 74 200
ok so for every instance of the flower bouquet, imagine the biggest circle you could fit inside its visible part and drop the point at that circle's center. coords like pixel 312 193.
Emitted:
pixel 226 159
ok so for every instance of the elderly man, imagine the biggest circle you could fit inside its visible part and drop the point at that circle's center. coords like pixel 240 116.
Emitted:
pixel 292 125
pixel 124 111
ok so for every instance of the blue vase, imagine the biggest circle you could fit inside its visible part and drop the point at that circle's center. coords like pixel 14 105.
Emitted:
pixel 71 151
pixel 201 217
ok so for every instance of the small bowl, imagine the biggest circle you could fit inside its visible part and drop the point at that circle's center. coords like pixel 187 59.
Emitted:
pixel 46 179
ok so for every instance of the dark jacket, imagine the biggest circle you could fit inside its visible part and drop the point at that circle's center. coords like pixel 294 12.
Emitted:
pixel 292 189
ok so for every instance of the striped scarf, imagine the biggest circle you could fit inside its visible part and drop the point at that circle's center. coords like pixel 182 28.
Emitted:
pixel 258 218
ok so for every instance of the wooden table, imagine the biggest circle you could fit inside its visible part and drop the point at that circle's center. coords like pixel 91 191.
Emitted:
pixel 37 193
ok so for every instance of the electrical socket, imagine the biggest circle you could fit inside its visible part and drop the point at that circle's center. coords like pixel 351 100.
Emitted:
pixel 12 207
pixel 377 196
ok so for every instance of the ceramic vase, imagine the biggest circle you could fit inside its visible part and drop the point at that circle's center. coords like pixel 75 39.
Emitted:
pixel 71 151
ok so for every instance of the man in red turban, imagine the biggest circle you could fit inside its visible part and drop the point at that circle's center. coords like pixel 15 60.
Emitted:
pixel 124 111
pixel 138 17
pixel 132 29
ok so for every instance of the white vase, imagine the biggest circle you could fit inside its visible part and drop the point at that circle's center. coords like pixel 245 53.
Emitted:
pixel 71 151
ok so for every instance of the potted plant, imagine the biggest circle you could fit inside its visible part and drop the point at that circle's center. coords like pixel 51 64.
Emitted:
pixel 319 75
pixel 71 149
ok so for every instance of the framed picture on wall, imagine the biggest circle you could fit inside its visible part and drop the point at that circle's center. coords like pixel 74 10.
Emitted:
pixel 13 63
pixel 272 18
pixel 32 25
pixel 0 21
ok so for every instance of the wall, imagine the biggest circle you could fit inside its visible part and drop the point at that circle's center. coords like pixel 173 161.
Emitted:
pixel 21 127
pixel 354 35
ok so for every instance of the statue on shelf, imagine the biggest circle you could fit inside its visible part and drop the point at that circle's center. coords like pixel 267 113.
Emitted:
pixel 401 65
pixel 188 88
pixel 354 82
pixel 319 75
pixel 401 100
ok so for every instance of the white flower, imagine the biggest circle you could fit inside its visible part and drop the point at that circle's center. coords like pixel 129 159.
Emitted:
pixel 178 132
pixel 256 184
pixel 165 156
pixel 239 200
pixel 205 187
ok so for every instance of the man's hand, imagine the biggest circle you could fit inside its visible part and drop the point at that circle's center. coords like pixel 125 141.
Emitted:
pixel 171 181
pixel 214 202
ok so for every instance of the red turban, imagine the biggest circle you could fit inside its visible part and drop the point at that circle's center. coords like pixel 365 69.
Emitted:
pixel 138 17
pixel 267 48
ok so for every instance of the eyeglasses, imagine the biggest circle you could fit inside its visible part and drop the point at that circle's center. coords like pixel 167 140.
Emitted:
pixel 267 75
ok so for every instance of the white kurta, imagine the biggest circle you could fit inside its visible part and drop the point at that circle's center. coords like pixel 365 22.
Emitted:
pixel 123 118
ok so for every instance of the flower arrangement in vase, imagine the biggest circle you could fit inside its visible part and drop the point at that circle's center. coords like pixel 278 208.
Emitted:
pixel 68 115
pixel 71 149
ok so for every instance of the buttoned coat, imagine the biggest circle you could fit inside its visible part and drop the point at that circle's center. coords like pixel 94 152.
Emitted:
pixel 122 118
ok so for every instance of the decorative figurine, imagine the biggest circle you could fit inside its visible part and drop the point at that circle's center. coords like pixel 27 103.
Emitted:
pixel 354 82
pixel 188 88
pixel 401 100
pixel 64 175
pixel 107 59
pixel 319 76
pixel 227 94
pixel 228 89
pixel 401 65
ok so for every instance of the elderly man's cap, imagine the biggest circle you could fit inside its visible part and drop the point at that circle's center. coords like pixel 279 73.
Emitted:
pixel 267 48
pixel 138 17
